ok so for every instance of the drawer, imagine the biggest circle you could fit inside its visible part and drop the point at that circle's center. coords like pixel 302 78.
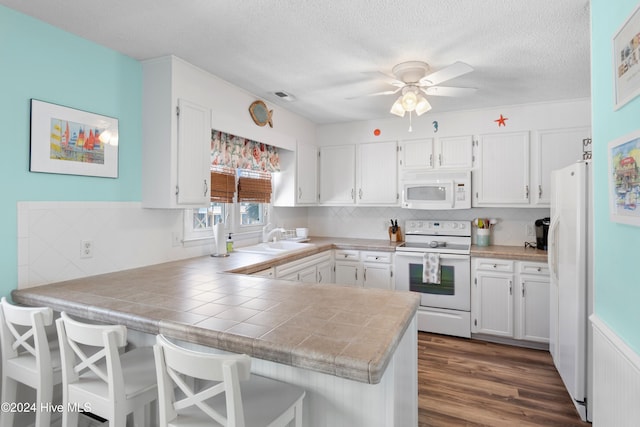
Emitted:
pixel 493 264
pixel 539 268
pixel 372 256
pixel 347 254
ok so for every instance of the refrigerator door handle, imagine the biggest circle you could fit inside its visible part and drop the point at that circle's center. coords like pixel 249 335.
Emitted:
pixel 553 247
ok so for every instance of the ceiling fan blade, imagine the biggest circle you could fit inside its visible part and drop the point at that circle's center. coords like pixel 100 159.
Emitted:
pixel 448 91
pixel 386 78
pixel 386 92
pixel 454 70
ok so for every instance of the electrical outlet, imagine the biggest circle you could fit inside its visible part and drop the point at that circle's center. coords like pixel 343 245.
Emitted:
pixel 529 230
pixel 175 239
pixel 86 249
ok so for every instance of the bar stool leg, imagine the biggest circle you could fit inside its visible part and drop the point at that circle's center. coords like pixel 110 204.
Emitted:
pixel 9 391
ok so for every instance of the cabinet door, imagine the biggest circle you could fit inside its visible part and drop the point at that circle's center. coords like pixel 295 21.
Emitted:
pixel 455 152
pixel 324 272
pixel 348 273
pixel 337 174
pixel 307 174
pixel 307 275
pixel 376 276
pixel 194 154
pixel 502 177
pixel 492 308
pixel 554 149
pixel 534 308
pixel 377 174
pixel 416 154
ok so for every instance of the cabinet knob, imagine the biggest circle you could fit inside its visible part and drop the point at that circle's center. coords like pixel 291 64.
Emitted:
pixel 495 266
pixel 539 268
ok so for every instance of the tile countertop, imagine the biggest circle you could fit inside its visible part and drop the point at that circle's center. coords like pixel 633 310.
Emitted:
pixel 343 331
pixel 509 252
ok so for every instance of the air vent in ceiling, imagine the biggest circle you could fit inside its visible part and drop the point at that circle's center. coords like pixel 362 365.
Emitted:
pixel 284 95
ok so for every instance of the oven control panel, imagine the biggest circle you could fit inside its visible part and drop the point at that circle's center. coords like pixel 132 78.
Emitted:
pixel 433 227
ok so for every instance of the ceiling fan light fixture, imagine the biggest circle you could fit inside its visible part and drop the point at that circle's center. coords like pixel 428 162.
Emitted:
pixel 422 105
pixel 409 101
pixel 397 107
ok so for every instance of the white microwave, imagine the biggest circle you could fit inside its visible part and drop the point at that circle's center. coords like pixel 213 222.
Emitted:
pixel 436 190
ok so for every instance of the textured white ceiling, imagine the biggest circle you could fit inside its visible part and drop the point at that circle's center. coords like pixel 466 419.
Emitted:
pixel 323 52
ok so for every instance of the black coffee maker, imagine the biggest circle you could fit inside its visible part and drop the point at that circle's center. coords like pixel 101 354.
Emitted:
pixel 542 230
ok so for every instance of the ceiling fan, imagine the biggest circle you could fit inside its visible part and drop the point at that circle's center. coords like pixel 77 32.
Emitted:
pixel 413 82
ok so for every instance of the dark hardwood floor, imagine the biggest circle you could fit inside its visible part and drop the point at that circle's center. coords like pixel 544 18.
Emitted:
pixel 464 382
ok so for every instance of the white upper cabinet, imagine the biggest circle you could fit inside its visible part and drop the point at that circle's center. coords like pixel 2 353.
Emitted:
pixel 176 140
pixel 307 174
pixel 512 172
pixel 446 152
pixel 416 154
pixel 502 177
pixel 377 174
pixel 297 182
pixel 363 174
pixel 554 149
pixel 194 154
pixel 338 175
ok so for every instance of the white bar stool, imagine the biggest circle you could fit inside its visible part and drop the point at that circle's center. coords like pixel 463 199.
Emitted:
pixel 228 396
pixel 97 377
pixel 28 358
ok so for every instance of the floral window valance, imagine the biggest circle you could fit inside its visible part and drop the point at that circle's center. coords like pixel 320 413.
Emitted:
pixel 242 153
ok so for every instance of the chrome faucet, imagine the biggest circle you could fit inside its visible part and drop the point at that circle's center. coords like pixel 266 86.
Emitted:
pixel 275 234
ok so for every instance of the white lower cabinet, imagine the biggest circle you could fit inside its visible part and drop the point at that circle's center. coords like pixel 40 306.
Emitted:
pixel 348 268
pixel 324 271
pixel 510 299
pixel 534 302
pixel 311 269
pixel 369 269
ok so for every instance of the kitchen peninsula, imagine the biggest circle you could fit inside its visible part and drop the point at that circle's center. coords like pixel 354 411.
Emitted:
pixel 354 350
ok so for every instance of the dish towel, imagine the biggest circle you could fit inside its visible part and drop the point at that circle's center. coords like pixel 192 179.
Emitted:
pixel 431 268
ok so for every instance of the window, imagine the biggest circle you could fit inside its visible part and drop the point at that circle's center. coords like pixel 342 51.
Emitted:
pixel 242 214
pixel 251 214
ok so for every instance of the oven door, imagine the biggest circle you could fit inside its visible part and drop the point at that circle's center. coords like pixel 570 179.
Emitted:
pixel 454 290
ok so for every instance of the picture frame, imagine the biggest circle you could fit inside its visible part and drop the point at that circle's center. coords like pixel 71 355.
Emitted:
pixel 624 179
pixel 68 141
pixel 626 60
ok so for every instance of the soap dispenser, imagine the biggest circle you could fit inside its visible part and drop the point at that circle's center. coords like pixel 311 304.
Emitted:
pixel 229 244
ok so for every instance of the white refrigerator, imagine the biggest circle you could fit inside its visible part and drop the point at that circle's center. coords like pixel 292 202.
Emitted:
pixel 570 244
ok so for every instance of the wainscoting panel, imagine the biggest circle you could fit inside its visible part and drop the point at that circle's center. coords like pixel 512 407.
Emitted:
pixel 616 381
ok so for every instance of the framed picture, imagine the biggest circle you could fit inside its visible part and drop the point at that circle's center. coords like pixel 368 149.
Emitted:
pixel 74 142
pixel 624 179
pixel 626 60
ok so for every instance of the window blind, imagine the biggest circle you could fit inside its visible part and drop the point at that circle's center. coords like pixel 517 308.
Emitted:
pixel 223 185
pixel 254 186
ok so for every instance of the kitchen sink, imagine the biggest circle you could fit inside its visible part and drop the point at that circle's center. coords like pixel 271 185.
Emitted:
pixel 274 248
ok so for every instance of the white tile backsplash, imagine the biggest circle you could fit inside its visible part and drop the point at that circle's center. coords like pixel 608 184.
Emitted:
pixel 373 222
pixel 125 235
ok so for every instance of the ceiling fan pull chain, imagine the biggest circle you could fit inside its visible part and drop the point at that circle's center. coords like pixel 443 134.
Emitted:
pixel 410 129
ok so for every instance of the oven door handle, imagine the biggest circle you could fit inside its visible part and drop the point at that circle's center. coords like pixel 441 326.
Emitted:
pixel 442 256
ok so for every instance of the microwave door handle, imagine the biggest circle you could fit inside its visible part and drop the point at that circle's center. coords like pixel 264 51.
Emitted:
pixel 453 196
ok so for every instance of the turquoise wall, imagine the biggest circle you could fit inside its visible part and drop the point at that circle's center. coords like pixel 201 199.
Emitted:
pixel 42 62
pixel 617 276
